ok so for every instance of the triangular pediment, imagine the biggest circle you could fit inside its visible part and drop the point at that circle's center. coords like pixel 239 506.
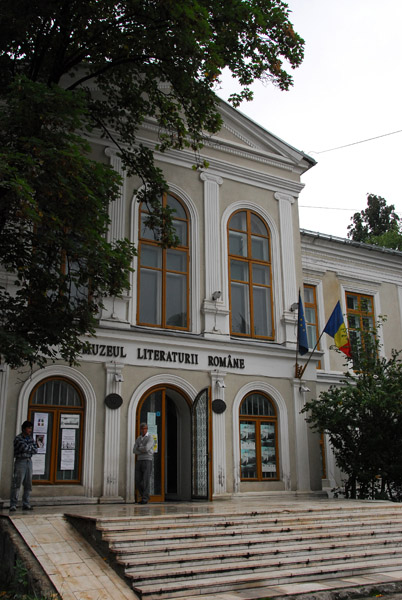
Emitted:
pixel 241 131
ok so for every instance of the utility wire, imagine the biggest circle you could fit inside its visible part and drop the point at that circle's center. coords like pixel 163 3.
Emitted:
pixel 354 143
pixel 329 207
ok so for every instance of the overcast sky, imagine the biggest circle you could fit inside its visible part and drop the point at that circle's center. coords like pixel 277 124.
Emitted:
pixel 348 89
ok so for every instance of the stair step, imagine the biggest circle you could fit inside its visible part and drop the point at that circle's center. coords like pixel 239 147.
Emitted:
pixel 129 525
pixel 240 533
pixel 253 580
pixel 239 555
pixel 253 566
pixel 182 555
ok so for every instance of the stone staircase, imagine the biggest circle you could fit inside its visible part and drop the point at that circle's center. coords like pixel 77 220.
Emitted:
pixel 182 555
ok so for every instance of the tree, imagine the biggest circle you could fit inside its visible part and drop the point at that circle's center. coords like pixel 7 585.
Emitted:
pixel 363 419
pixel 378 224
pixel 70 68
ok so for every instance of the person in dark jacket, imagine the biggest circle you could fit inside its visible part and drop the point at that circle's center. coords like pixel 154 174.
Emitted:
pixel 24 448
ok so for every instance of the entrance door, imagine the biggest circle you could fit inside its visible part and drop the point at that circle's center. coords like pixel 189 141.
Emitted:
pixel 201 451
pixel 167 413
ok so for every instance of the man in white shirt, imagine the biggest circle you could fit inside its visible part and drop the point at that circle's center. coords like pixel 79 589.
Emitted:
pixel 144 450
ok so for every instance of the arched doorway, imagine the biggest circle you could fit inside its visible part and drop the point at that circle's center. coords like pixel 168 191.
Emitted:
pixel 181 466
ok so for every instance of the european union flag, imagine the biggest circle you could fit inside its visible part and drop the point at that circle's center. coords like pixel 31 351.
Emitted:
pixel 302 343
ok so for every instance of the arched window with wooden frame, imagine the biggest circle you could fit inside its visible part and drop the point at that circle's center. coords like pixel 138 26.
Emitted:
pixel 250 275
pixel 163 273
pixel 57 411
pixel 258 438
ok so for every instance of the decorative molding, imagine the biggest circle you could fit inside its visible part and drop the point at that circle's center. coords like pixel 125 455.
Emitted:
pixel 283 431
pixel 90 414
pixel 284 197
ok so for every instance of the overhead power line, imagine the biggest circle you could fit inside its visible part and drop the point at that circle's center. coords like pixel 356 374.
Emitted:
pixel 329 207
pixel 355 143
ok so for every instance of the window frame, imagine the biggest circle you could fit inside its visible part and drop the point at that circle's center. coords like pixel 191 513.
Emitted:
pixel 258 420
pixel 184 248
pixel 250 262
pixel 56 410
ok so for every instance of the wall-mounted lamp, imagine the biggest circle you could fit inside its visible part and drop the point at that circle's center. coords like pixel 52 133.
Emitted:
pixel 216 296
pixel 294 306
pixel 304 389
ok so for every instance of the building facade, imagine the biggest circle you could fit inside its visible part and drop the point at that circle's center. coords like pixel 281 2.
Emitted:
pixel 203 346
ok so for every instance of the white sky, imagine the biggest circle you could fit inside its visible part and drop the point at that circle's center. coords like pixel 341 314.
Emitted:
pixel 348 88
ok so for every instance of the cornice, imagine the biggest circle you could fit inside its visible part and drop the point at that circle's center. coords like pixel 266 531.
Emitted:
pixel 252 153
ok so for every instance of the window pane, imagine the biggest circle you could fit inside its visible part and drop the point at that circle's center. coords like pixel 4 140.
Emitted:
pixel 311 336
pixel 268 450
pixel 248 457
pixel 240 308
pixel 181 231
pixel 258 225
pixel 151 256
pixel 43 426
pixel 68 450
pixel 261 274
pixel 145 232
pixel 351 302
pixel 367 323
pixel 259 248
pixel 57 393
pixel 176 260
pixel 309 314
pixel 177 206
pixel 239 221
pixel 237 243
pixel 150 297
pixel 262 311
pixel 239 270
pixel 257 405
pixel 176 300
pixel 309 295
pixel 353 321
pixel 366 305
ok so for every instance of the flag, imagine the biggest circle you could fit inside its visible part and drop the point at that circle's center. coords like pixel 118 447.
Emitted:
pixel 336 329
pixel 302 343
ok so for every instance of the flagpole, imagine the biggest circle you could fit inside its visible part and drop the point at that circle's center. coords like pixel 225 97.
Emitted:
pixel 311 354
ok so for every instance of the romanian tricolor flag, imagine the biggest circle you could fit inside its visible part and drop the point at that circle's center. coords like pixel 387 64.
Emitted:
pixel 336 329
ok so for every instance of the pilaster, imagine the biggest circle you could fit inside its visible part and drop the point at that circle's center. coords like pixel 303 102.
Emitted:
pixel 301 439
pixel 216 315
pixel 218 436
pixel 290 291
pixel 111 458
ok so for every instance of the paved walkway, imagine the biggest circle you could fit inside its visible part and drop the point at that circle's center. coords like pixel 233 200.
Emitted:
pixel 79 573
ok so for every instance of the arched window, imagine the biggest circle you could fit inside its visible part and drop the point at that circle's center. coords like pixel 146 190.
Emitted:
pixel 56 408
pixel 250 276
pixel 163 274
pixel 258 438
